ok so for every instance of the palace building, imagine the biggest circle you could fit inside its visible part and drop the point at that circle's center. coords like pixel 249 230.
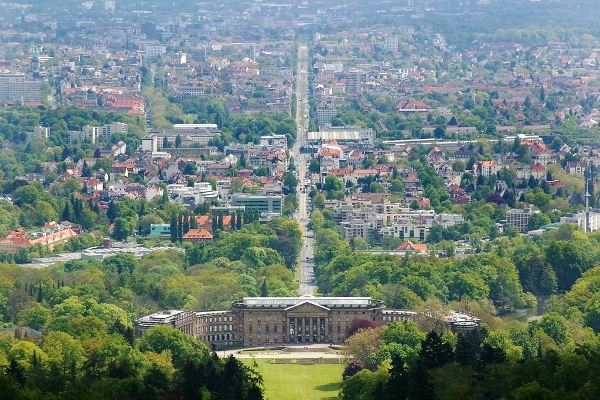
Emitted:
pixel 268 321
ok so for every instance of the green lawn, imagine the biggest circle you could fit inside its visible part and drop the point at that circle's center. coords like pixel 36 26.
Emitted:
pixel 299 382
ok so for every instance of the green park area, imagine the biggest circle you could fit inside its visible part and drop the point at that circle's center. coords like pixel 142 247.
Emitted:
pixel 299 381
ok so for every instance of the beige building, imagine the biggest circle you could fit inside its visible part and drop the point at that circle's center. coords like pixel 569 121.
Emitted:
pixel 280 321
pixel 520 218
pixel 258 321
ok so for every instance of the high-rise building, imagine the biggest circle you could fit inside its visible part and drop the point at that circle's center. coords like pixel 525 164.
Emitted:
pixel 353 86
pixel 15 87
pixel 391 44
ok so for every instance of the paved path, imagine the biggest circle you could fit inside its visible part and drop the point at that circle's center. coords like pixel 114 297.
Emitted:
pixel 293 352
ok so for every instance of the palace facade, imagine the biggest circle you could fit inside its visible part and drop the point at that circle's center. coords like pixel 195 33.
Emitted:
pixel 268 321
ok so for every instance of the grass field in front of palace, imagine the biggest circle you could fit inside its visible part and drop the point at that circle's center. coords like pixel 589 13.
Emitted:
pixel 298 381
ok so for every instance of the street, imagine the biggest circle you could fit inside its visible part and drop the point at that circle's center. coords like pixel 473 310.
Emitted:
pixel 307 282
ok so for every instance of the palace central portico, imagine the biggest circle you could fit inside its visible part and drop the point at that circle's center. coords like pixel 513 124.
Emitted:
pixel 307 319
pixel 261 321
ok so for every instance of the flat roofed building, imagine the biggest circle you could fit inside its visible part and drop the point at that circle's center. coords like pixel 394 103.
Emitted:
pixel 519 218
pixel 185 321
pixel 16 87
pixel 271 204
pixel 189 134
pixel 347 135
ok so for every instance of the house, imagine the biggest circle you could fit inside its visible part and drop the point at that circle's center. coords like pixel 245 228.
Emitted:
pixel 19 238
pixel 197 235
pixel 407 106
pixel 486 168
pixel 575 167
pixel 410 247
pixel 539 153
pixel 538 171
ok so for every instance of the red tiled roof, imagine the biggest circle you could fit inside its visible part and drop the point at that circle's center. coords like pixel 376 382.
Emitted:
pixel 410 246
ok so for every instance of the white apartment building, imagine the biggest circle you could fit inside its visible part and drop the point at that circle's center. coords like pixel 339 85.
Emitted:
pixel 95 133
pixel 417 224
pixel 579 220
pixel 15 87
pixel 201 192
pixel 362 220
pixel 154 50
pixel 191 135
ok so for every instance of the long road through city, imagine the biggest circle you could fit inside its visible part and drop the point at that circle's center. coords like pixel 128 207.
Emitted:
pixel 307 279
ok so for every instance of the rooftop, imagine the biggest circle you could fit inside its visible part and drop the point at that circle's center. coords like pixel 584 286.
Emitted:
pixel 322 301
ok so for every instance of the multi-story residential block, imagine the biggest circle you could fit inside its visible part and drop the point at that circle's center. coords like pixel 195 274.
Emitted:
pixel 154 50
pixel 188 91
pixel 417 224
pixel 95 133
pixel 519 218
pixel 325 114
pixel 41 132
pixel 390 43
pixel 189 134
pixel 16 87
pixel 353 82
pixel 580 218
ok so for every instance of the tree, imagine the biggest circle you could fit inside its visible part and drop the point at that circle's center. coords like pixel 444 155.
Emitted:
pixel 353 368
pixel 435 352
pixel 145 222
pixel 314 166
pixel 537 220
pixel 174 227
pixel 439 132
pixel 568 259
pixel 122 230
pixel 68 214
pixel 364 346
pixel 397 186
pixel 332 183
pixel 190 168
pixel 119 263
pixel 360 324
pixel 468 345
pixel 555 326
pixel 182 347
pixel 112 210
pixel 16 372
pixel 318 201
pixel 35 317
pixel 397 385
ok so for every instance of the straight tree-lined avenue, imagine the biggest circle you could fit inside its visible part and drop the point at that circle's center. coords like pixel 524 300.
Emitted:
pixel 307 285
